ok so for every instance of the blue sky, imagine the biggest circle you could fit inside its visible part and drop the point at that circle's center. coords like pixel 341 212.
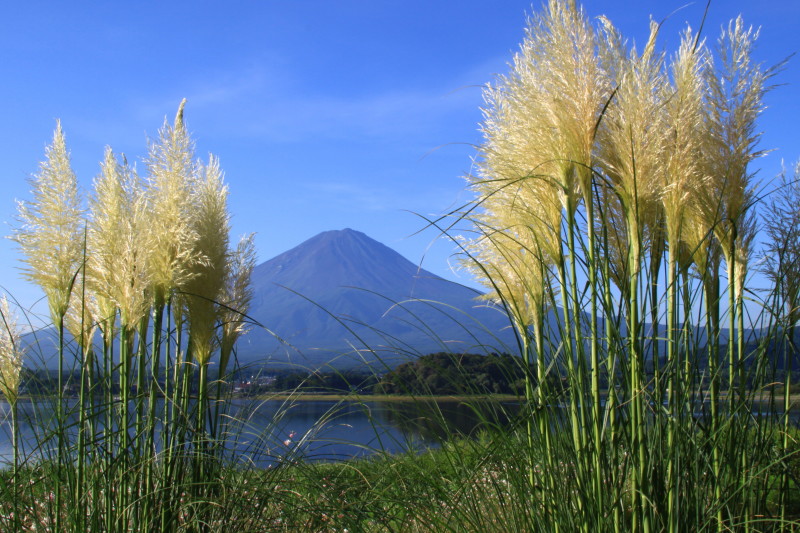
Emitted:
pixel 324 114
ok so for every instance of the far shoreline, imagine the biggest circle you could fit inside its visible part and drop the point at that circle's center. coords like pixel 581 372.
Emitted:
pixel 794 398
pixel 354 397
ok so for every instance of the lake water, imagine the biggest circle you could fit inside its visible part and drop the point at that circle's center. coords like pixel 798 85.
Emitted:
pixel 262 433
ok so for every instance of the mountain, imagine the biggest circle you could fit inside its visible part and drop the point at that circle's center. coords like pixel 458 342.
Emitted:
pixel 310 295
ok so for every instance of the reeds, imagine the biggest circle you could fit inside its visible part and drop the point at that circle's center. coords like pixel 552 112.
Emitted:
pixel 148 250
pixel 665 167
pixel 782 267
pixel 11 354
pixel 50 239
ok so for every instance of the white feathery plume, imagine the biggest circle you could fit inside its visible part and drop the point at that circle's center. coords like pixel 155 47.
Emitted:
pixel 51 232
pixel 11 352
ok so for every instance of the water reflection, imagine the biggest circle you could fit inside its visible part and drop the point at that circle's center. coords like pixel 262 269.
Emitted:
pixel 438 420
pixel 264 433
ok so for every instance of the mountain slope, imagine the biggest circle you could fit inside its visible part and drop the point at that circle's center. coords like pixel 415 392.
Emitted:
pixel 346 275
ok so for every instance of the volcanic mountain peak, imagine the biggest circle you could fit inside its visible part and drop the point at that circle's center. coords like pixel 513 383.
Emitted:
pixel 340 258
pixel 342 289
pixel 304 295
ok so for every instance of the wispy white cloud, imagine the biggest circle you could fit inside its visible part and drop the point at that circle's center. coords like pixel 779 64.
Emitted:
pixel 269 103
pixel 349 195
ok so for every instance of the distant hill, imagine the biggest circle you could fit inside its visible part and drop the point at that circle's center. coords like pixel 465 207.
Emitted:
pixel 310 295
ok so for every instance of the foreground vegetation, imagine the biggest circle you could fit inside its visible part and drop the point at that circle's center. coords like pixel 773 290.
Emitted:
pixel 615 223
pixel 469 484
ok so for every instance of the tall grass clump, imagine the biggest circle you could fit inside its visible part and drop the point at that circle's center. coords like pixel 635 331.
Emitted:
pixel 50 238
pixel 149 266
pixel 11 353
pixel 602 163
pixel 782 267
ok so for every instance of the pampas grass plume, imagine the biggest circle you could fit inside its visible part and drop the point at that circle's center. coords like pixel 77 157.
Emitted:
pixel 119 244
pixel 10 352
pixel 50 236
pixel 237 294
pixel 210 223
pixel 172 173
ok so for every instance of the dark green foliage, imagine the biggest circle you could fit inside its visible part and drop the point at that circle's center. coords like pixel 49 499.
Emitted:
pixel 330 382
pixel 447 373
pixel 297 380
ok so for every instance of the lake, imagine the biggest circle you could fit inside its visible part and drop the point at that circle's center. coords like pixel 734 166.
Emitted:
pixel 263 433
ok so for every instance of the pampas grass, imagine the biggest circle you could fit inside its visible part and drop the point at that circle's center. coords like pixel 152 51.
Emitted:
pixel 147 248
pixel 598 159
pixel 11 354
pixel 666 168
